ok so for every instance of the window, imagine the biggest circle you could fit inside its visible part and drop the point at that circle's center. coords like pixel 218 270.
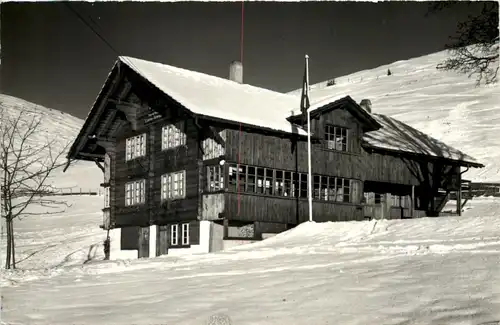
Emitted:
pixel 237 177
pixel 272 182
pixel 287 188
pixel 135 147
pixel 106 197
pixel 268 181
pixel 179 234
pixel 135 192
pixel 303 185
pixel 400 201
pixel 251 179
pixel 279 184
pixel 173 135
pixel 174 235
pixel 260 180
pixel 173 185
pixel 336 138
pixel 185 234
pixel 215 178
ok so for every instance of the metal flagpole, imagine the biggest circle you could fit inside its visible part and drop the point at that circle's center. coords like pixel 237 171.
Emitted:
pixel 309 177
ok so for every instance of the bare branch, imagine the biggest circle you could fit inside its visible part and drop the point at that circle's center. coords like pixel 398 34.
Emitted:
pixel 474 50
pixel 26 163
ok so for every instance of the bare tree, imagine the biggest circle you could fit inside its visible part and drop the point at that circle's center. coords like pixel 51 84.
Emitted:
pixel 26 162
pixel 474 48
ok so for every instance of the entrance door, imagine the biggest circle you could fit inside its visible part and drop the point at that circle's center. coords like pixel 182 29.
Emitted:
pixel 143 242
pixel 162 238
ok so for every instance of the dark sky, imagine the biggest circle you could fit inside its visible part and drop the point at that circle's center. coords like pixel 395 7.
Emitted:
pixel 51 58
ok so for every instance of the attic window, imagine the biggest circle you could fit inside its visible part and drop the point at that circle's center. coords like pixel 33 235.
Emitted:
pixel 336 138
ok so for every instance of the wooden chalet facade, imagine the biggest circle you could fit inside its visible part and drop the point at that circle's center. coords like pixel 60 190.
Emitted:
pixel 203 174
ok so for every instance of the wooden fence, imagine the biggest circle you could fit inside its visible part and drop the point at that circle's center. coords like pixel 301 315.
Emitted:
pixel 70 191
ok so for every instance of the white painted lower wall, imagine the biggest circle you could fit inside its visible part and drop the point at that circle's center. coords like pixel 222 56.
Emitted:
pixel 116 253
pixel 152 240
pixel 211 240
pixel 203 247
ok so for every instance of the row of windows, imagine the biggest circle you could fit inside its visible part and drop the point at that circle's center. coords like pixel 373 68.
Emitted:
pixel 177 239
pixel 268 181
pixel 403 201
pixel 173 135
pixel 173 186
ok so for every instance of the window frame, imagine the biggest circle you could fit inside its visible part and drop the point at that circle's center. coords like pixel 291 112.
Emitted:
pixel 176 236
pixel 180 235
pixel 135 147
pixel 283 183
pixel 215 178
pixel 185 234
pixel 173 135
pixel 331 135
pixel 169 181
pixel 135 192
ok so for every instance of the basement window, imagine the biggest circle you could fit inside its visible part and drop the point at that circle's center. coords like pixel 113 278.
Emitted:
pixel 174 235
pixel 179 235
pixel 336 138
pixel 135 147
pixel 215 178
pixel 135 192
pixel 173 185
pixel 173 135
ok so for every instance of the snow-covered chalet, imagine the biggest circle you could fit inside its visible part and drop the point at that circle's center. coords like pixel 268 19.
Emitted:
pixel 194 163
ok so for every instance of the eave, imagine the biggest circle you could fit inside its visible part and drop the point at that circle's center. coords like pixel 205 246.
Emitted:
pixel 421 156
pixel 88 128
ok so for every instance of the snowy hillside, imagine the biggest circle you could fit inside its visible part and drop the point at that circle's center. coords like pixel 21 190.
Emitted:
pixel 446 105
pixel 421 271
pixel 62 127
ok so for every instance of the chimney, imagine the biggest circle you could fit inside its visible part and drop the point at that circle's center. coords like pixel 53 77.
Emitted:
pixel 367 105
pixel 236 72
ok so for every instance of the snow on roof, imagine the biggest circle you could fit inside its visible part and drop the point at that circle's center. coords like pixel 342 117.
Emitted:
pixel 398 136
pixel 221 98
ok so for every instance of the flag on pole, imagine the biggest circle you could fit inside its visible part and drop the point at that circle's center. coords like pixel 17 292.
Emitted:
pixel 304 99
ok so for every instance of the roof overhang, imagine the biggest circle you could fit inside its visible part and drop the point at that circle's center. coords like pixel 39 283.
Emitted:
pixel 89 126
pixel 421 156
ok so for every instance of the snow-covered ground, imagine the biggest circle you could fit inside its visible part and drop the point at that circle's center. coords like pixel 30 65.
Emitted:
pixel 423 271
pixel 446 105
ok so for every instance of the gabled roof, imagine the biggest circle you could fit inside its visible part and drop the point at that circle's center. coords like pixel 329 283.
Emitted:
pixel 367 121
pixel 211 96
pixel 397 136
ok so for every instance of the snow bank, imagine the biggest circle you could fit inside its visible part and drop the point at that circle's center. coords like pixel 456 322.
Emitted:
pixel 422 271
